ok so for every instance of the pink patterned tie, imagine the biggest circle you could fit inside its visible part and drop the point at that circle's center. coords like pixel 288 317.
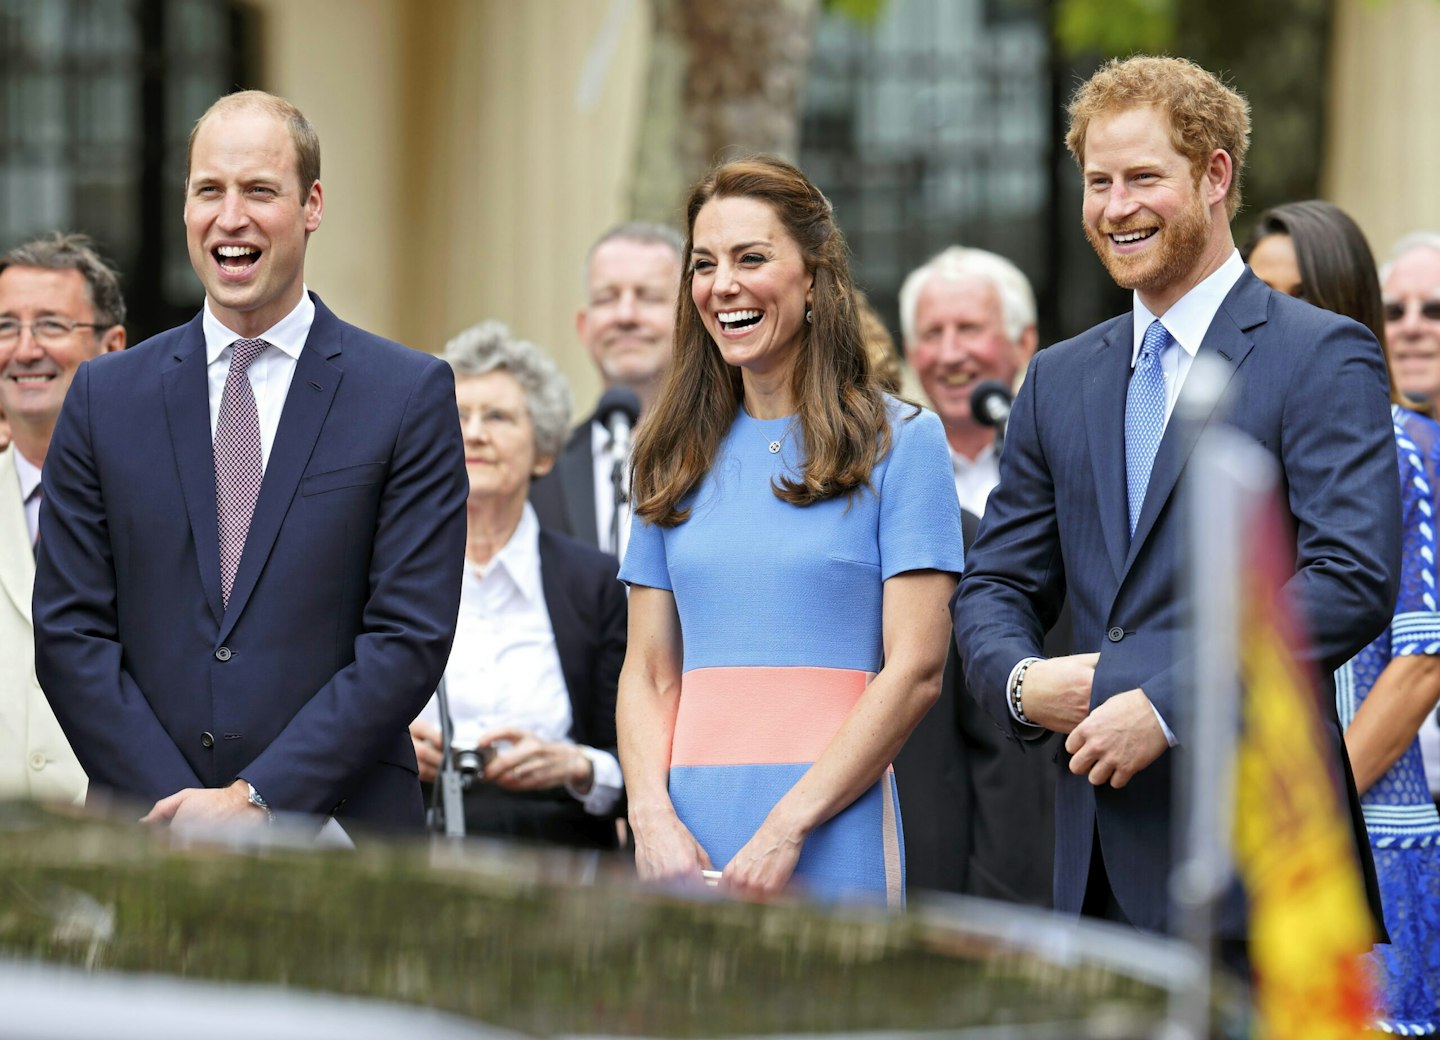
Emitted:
pixel 239 463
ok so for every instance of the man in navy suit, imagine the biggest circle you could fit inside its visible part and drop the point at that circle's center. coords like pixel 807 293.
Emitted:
pixel 253 529
pixel 1086 505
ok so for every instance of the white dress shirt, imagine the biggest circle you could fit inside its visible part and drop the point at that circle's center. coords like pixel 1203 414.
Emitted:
pixel 270 374
pixel 975 478
pixel 504 668
pixel 602 450
pixel 29 481
pixel 1187 321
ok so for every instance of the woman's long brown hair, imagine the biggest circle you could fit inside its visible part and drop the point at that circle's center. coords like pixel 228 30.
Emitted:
pixel 839 406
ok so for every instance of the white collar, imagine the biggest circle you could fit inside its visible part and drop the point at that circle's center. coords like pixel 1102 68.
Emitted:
pixel 1189 317
pixel 520 557
pixel 288 334
pixel 960 462
pixel 29 474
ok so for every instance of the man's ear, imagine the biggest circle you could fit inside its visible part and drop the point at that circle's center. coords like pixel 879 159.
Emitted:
pixel 112 339
pixel 1219 172
pixel 314 207
pixel 1025 346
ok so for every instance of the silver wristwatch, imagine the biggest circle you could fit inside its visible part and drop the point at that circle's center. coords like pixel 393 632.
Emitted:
pixel 255 799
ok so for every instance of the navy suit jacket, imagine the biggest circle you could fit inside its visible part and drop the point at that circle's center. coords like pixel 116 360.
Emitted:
pixel 1309 386
pixel 343 609
pixel 588 612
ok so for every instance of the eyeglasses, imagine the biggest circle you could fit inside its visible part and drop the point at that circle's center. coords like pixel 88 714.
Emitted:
pixel 1394 310
pixel 45 330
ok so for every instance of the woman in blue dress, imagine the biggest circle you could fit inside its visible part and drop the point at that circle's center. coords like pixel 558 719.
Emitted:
pixel 1314 251
pixel 796 543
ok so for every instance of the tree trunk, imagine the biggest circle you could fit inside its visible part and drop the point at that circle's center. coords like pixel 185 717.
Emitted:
pixel 725 80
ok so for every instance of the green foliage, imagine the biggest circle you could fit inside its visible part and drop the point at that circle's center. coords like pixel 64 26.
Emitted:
pixel 865 12
pixel 1115 28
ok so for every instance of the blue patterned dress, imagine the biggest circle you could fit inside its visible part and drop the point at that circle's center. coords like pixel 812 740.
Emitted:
pixel 1399 813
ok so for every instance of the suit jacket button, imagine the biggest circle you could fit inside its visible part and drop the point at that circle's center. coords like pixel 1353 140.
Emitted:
pixel 1114 635
pixel 207 739
pixel 223 654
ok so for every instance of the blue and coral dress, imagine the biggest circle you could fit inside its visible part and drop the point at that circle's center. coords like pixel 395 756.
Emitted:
pixel 780 610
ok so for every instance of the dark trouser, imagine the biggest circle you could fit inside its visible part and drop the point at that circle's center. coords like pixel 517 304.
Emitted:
pixel 1100 902
pixel 553 817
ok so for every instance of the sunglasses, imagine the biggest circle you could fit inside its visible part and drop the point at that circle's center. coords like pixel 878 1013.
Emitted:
pixel 1394 310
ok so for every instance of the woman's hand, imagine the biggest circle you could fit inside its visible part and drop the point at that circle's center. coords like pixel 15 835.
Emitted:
pixel 532 764
pixel 666 850
pixel 429 752
pixel 762 868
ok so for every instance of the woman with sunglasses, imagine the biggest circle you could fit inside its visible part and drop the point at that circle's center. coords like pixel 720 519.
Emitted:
pixel 1313 251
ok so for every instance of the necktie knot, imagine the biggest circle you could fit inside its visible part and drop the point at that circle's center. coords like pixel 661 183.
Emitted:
pixel 1156 339
pixel 244 352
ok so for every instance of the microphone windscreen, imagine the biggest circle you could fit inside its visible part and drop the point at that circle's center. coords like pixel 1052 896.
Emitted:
pixel 990 402
pixel 619 400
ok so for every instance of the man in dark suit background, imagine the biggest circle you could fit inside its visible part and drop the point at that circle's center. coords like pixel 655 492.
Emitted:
pixel 979 809
pixel 1086 504
pixel 253 527
pixel 632 275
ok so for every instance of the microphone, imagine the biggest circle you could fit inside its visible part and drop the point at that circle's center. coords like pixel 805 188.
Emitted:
pixel 990 404
pixel 618 411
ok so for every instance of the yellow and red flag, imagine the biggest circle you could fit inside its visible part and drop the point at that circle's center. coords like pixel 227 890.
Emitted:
pixel 1310 923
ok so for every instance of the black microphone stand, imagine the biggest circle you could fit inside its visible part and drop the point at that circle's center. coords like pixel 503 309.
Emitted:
pixel 621 495
pixel 447 803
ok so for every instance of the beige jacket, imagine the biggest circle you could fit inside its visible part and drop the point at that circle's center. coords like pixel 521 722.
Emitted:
pixel 35 759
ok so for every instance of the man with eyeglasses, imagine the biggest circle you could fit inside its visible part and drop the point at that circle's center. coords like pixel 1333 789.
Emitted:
pixel 254 526
pixel 1410 281
pixel 60 305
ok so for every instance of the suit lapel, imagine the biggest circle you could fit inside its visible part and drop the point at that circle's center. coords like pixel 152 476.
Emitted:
pixel 1227 341
pixel 577 478
pixel 568 629
pixel 312 389
pixel 187 411
pixel 1108 373
pixel 17 556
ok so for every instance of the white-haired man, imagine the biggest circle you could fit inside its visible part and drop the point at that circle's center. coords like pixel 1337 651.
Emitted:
pixel 967 316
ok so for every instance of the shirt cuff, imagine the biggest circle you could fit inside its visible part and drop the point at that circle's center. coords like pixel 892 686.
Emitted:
pixel 1169 736
pixel 1010 691
pixel 605 785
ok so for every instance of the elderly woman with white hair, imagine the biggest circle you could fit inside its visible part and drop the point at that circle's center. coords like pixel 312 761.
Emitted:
pixel 532 677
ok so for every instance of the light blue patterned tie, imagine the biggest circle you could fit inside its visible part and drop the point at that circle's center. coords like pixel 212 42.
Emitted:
pixel 1144 417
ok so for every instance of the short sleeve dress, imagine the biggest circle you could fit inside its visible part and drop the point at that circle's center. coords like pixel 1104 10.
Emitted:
pixel 780 610
pixel 1400 816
